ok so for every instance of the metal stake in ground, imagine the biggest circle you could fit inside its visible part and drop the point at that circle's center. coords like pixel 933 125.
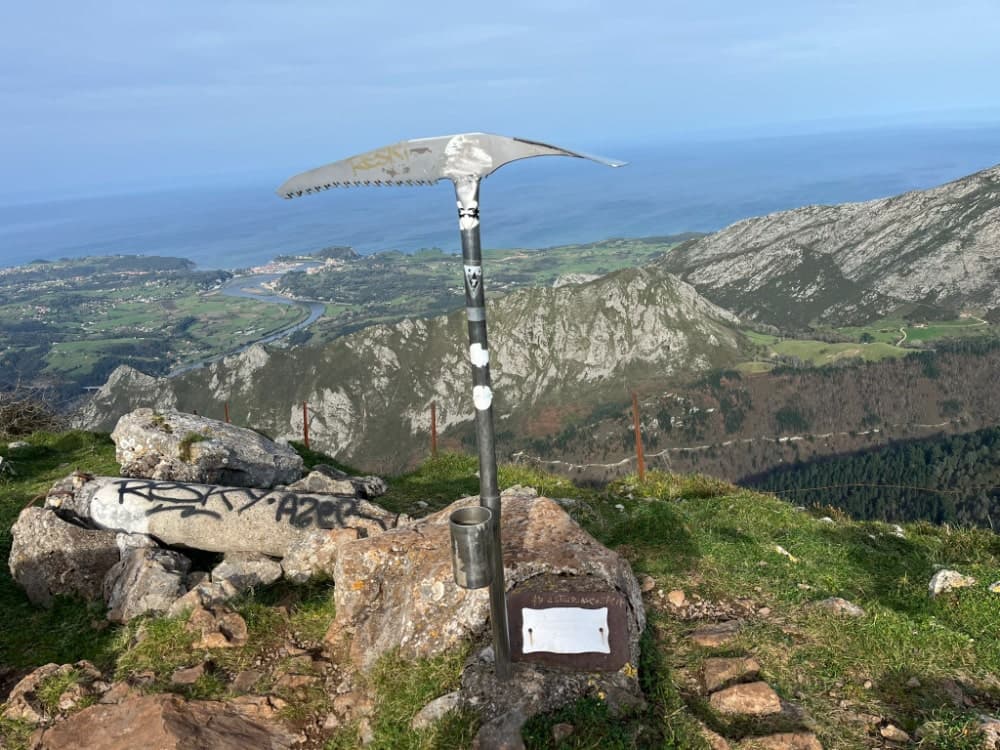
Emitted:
pixel 465 160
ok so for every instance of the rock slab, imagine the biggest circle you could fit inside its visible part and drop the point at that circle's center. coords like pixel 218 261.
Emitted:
pixel 50 557
pixel 212 517
pixel 173 445
pixel 750 699
pixel 163 722
pixel 716 634
pixel 718 673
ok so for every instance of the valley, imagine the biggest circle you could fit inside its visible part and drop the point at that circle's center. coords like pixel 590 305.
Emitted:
pixel 829 351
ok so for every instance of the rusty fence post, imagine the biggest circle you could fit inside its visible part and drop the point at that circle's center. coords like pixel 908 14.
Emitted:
pixel 639 456
pixel 227 413
pixel 305 424
pixel 434 429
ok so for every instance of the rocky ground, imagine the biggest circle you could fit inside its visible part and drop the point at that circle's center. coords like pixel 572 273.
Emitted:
pixel 766 626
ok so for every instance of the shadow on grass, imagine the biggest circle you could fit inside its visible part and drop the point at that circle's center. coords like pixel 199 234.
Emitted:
pixel 916 698
pixel 894 567
pixel 651 535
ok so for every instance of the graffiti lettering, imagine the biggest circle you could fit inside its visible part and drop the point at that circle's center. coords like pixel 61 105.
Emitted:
pixel 300 511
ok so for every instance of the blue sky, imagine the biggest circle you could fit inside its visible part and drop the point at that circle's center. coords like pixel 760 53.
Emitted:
pixel 112 94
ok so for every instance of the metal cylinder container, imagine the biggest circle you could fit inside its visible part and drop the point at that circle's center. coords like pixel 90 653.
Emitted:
pixel 470 546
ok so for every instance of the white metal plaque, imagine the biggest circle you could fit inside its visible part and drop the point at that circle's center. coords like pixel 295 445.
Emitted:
pixel 565 630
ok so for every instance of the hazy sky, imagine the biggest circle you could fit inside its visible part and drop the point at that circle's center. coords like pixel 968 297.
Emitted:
pixel 142 92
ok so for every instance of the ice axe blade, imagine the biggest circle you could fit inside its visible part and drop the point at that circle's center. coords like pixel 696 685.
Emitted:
pixel 424 161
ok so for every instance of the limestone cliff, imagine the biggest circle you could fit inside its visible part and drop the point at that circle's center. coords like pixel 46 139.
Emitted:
pixel 856 261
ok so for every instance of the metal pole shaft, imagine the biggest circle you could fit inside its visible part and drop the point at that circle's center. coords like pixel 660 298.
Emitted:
pixel 467 193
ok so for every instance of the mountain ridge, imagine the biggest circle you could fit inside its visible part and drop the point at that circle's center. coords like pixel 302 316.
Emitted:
pixel 855 261
pixel 545 343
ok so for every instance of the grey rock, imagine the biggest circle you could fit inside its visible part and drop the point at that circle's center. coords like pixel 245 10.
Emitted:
pixel 894 734
pixel 948 580
pixel 196 578
pixel 212 517
pixel 321 483
pixel 144 581
pixel 502 733
pixel 436 709
pixel 840 607
pixel 190 448
pixel 369 486
pixel 50 557
pixel 332 481
pixel 246 571
pixel 18 445
pixel 127 542
pixel 207 594
pixel 313 555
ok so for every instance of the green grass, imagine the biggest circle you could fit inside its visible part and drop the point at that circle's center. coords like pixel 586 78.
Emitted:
pixel 714 541
pixel 819 353
pixel 71 630
pixel 401 689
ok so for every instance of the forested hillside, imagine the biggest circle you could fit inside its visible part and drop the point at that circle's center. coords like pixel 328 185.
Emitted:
pixel 885 483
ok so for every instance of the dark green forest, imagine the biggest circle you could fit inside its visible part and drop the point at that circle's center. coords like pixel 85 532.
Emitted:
pixel 961 474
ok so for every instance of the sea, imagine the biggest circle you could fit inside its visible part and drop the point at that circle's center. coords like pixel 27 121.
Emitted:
pixel 678 186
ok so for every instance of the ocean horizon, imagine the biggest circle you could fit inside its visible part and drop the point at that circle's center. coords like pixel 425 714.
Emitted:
pixel 668 189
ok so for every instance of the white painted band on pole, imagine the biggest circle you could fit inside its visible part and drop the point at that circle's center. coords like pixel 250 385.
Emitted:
pixel 482 397
pixel 479 355
pixel 475 314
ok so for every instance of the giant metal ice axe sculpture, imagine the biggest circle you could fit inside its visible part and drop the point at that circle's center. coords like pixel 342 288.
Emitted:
pixel 465 160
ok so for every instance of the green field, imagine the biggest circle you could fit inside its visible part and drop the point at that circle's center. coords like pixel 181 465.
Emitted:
pixel 386 287
pixel 73 322
pixel 891 330
pixel 811 352
pixel 819 353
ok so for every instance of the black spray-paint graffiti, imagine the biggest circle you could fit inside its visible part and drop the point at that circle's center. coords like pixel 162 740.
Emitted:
pixel 300 511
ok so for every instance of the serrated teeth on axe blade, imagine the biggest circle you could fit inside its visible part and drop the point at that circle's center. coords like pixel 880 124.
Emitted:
pixel 424 161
